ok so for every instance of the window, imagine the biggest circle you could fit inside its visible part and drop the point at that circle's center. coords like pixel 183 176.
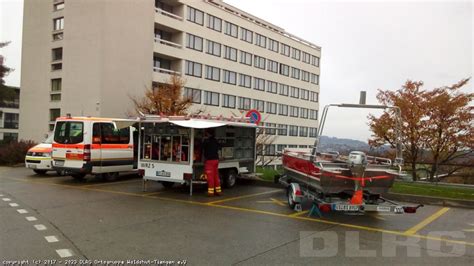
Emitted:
pixel 193 94
pixel 259 84
pixel 313 114
pixel 304 94
pixel 271 128
pixel 55 97
pixel 213 73
pixel 295 92
pixel 11 121
pixel 193 69
pixel 259 62
pixel 283 109
pixel 285 50
pixel 213 48
pixel 245 81
pixel 315 61
pixel 313 132
pixel 58 66
pixel 272 87
pixel 230 53
pixel 246 35
pixel 196 16
pixel 271 108
pixel 281 147
pixel 58 23
pixel 270 149
pixel 292 146
pixel 245 58
pixel 58 6
pixel 228 101
pixel 230 77
pixel 161 63
pixel 194 42
pixel 306 58
pixel 315 79
pixel 54 113
pixel 211 98
pixel 258 105
pixel 214 23
pixel 295 53
pixel 295 73
pixel 305 75
pixel 294 111
pixel 304 112
pixel 273 45
pixel 244 103
pixel 231 29
pixel 284 89
pixel 260 40
pixel 68 132
pixel 58 36
pixel 56 84
pixel 9 137
pixel 109 134
pixel 314 96
pixel 282 130
pixel 303 131
pixel 284 70
pixel 294 131
pixel 272 66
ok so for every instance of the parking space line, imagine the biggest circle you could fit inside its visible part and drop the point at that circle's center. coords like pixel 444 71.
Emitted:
pixel 51 239
pixel 352 226
pixel 296 214
pixel 22 211
pixel 112 183
pixel 152 193
pixel 13 204
pixel 40 227
pixel 427 221
pixel 243 197
pixel 64 253
pixel 6 199
pixel 31 218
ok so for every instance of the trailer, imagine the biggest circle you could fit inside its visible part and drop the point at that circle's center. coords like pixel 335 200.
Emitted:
pixel 351 184
pixel 170 151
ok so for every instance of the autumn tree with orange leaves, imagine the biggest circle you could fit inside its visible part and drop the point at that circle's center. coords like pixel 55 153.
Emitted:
pixel 437 122
pixel 165 99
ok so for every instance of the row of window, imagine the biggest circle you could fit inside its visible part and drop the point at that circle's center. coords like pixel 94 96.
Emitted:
pixel 197 16
pixel 289 130
pixel 243 103
pixel 213 48
pixel 246 81
pixel 272 149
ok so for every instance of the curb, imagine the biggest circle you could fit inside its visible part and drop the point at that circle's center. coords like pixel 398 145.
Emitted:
pixel 469 204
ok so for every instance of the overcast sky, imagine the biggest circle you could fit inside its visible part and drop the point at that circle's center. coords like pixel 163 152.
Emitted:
pixel 366 45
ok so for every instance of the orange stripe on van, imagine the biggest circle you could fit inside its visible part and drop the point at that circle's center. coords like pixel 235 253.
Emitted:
pixel 93 146
pixel 40 150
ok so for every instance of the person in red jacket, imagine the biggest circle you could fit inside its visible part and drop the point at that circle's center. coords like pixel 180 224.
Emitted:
pixel 210 148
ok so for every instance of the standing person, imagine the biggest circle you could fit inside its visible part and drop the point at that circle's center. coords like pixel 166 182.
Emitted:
pixel 211 163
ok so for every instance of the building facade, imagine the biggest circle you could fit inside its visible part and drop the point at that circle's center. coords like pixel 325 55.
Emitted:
pixel 9 114
pixel 90 57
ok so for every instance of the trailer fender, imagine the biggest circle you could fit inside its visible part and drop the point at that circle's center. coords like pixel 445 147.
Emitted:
pixel 295 192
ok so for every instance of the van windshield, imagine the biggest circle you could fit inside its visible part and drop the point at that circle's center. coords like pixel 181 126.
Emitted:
pixel 67 132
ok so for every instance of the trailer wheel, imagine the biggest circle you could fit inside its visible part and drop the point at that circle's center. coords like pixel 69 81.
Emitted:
pixel 167 184
pixel 230 178
pixel 39 172
pixel 289 195
pixel 78 176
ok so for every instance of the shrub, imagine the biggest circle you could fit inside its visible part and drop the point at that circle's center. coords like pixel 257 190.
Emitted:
pixel 14 152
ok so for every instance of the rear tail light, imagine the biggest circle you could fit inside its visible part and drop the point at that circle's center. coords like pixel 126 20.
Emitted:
pixel 141 172
pixel 298 193
pixel 87 153
pixel 325 207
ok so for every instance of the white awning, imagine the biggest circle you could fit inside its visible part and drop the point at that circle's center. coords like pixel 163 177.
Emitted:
pixel 197 123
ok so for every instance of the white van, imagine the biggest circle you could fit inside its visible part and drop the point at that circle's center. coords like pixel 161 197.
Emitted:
pixel 97 146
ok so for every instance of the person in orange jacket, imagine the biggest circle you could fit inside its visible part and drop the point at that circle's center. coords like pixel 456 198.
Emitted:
pixel 210 148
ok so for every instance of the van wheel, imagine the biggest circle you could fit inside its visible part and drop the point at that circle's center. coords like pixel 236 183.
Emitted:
pixel 61 172
pixel 289 195
pixel 230 178
pixel 111 176
pixel 39 172
pixel 167 184
pixel 78 177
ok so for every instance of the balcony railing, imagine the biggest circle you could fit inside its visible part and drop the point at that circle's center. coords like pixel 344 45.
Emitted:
pixel 166 13
pixel 166 71
pixel 165 42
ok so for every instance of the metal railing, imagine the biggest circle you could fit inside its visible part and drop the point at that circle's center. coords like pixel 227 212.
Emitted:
pixel 166 13
pixel 168 43
pixel 166 71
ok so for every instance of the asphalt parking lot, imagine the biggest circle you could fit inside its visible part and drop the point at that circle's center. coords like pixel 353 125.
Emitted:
pixel 60 220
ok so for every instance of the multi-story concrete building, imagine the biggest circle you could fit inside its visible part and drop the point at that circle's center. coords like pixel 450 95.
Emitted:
pixel 90 57
pixel 9 114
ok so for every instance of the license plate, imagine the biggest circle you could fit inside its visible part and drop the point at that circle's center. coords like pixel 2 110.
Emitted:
pixel 343 207
pixel 383 209
pixel 58 163
pixel 32 166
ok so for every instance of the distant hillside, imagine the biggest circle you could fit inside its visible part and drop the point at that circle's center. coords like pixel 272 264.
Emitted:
pixel 344 146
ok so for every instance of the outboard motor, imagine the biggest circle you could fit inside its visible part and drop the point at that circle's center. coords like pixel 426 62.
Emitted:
pixel 357 162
